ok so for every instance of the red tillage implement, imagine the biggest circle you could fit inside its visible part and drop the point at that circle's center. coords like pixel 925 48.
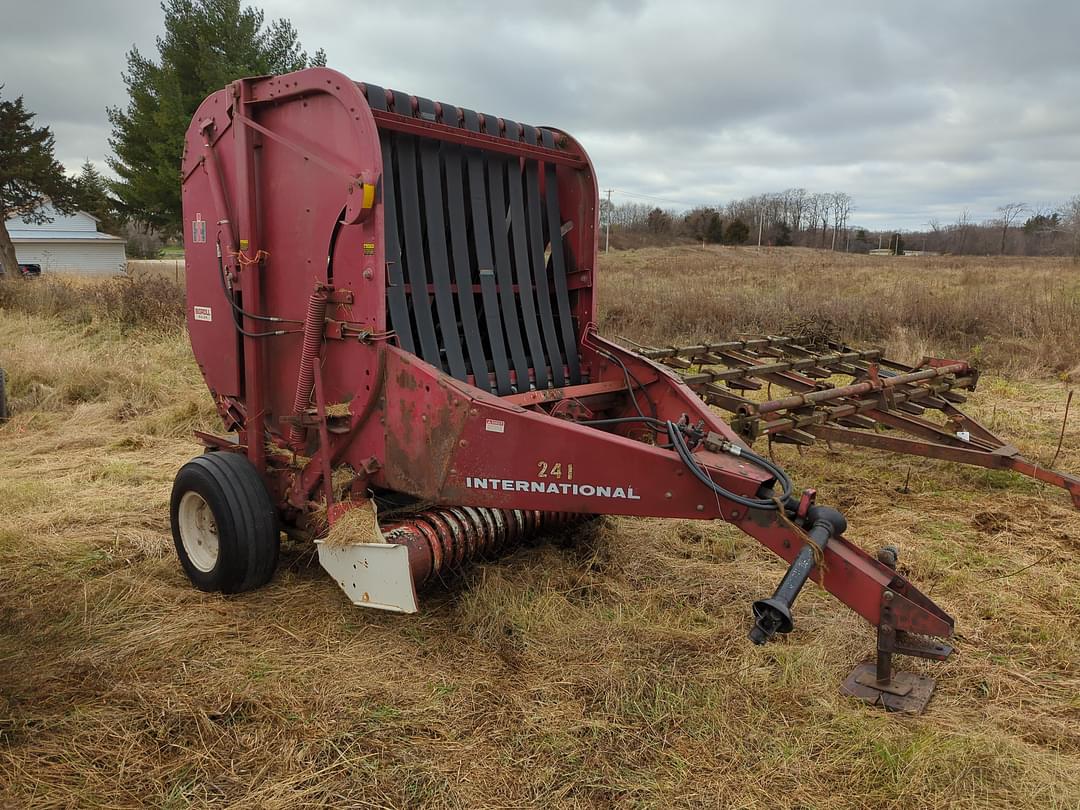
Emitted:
pixel 391 300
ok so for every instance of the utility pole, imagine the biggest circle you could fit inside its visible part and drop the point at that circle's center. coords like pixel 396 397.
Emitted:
pixel 760 225
pixel 607 236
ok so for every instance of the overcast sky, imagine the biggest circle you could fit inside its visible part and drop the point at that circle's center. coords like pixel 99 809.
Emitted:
pixel 916 109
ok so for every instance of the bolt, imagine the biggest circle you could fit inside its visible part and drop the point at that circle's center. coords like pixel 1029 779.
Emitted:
pixel 369 273
pixel 701 507
pixel 463 443
pixel 667 495
pixel 888 596
pixel 886 628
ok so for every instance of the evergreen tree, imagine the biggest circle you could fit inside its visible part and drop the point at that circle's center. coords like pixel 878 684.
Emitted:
pixel 30 174
pixel 206 45
pixel 736 233
pixel 714 230
pixel 783 235
pixel 92 196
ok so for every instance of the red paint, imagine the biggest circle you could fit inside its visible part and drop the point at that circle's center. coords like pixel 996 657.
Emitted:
pixel 282 162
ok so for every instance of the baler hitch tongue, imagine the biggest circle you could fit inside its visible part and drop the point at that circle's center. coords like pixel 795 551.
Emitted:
pixel 773 615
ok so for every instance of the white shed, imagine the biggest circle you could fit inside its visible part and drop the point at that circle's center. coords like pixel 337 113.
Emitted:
pixel 68 244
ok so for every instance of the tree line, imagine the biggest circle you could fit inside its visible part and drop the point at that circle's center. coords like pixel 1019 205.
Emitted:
pixel 822 220
pixel 792 217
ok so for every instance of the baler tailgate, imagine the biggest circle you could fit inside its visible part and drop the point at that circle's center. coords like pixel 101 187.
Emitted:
pixel 512 210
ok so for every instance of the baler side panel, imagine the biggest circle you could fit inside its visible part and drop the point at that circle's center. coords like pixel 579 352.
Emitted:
pixel 302 205
pixel 214 339
pixel 578 193
pixel 314 149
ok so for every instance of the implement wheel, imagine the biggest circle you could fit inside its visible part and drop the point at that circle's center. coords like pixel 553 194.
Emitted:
pixel 224 524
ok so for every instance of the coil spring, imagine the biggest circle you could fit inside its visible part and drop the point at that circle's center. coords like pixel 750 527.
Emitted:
pixel 314 323
pixel 442 539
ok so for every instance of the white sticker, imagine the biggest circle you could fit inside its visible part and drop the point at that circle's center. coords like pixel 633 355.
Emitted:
pixel 204 314
pixel 198 229
pixel 495 426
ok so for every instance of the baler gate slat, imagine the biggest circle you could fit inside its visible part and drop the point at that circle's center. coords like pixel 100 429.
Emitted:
pixel 438 261
pixel 412 226
pixel 397 302
pixel 534 229
pixel 457 205
pixel 509 172
pixel 558 268
pixel 480 229
pixel 490 197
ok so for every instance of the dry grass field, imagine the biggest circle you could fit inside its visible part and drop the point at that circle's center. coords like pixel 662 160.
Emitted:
pixel 605 669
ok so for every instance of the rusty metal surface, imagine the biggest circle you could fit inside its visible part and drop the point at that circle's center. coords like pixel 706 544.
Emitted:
pixel 906 692
pixel 881 400
pixel 443 539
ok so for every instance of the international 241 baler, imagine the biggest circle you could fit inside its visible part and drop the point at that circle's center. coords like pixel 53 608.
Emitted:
pixel 392 301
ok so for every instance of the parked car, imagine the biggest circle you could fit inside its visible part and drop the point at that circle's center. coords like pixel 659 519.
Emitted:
pixel 25 270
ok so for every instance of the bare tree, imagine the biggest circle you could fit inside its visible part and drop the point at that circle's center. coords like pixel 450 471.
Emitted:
pixel 841 206
pixel 797 204
pixel 1009 213
pixel 824 210
pixel 934 231
pixel 1070 218
pixel 962 226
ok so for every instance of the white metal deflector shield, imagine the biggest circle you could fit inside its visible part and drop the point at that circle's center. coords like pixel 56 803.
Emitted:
pixel 374 575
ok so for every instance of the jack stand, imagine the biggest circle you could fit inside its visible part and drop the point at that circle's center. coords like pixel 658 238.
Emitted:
pixel 877 683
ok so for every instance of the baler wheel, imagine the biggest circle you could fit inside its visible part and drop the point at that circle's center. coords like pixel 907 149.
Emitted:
pixel 224 524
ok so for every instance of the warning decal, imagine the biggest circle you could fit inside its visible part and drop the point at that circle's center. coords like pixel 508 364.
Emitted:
pixel 204 314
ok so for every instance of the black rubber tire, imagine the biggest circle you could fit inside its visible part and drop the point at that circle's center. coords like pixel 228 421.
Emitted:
pixel 246 521
pixel 3 396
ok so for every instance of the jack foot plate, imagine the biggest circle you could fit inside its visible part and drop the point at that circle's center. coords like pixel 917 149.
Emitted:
pixel 904 692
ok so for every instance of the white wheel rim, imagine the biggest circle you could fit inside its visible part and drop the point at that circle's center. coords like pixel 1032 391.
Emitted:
pixel 198 531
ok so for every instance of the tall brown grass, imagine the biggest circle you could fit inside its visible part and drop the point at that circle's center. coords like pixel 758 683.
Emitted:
pixel 1009 314
pixel 1017 315
pixel 138 300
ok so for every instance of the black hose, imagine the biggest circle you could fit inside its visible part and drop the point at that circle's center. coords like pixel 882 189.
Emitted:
pixel 236 310
pixel 678 443
pixel 688 459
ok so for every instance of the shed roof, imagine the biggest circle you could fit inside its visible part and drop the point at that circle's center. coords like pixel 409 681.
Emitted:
pixel 28 235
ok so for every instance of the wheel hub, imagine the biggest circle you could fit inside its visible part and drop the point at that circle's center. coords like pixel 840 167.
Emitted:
pixel 198 531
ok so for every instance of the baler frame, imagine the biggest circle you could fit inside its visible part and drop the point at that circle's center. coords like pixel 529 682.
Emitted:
pixel 349 275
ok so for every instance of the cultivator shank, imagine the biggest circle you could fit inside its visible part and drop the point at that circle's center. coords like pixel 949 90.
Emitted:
pixel 391 300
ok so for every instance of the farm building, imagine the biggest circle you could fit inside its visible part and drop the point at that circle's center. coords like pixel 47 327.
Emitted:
pixel 67 244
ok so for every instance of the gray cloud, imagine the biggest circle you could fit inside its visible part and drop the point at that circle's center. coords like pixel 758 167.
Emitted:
pixel 917 110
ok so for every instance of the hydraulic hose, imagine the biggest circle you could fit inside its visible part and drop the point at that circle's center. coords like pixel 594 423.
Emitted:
pixel 679 443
